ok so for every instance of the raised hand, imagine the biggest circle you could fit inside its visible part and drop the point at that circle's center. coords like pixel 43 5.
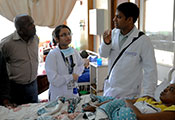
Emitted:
pixel 107 36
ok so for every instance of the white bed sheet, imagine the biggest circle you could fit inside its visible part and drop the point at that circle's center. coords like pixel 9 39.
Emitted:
pixel 30 111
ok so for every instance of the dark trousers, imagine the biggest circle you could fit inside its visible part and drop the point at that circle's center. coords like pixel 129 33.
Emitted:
pixel 22 94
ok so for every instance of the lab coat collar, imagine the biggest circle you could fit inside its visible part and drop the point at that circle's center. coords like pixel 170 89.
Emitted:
pixel 130 38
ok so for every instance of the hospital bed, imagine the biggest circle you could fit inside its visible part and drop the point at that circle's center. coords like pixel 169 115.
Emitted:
pixel 165 83
pixel 55 110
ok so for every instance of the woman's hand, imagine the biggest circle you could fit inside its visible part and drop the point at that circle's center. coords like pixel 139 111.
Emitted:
pixel 75 77
pixel 86 63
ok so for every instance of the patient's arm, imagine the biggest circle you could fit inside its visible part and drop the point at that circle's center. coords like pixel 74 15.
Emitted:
pixel 93 108
pixel 169 115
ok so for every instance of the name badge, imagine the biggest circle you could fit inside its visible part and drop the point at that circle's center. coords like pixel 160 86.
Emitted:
pixel 70 85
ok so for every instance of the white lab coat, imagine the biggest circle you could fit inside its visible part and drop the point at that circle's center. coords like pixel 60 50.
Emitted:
pixel 137 64
pixel 58 74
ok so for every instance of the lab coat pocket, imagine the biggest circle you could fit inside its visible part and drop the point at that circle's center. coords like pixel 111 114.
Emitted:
pixel 130 58
pixel 130 53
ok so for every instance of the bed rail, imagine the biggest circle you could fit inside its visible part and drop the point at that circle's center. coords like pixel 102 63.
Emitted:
pixel 170 73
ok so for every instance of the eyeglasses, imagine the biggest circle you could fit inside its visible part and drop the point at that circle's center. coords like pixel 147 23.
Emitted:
pixel 66 34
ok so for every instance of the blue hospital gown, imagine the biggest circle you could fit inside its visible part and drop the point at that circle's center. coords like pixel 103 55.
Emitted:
pixel 116 109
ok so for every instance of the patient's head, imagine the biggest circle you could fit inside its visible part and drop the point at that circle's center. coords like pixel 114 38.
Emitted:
pixel 168 95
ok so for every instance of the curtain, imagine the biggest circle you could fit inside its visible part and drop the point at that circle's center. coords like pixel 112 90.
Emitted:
pixel 44 12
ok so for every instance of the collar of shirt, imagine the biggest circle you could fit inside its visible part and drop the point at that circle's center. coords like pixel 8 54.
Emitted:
pixel 17 37
pixel 123 38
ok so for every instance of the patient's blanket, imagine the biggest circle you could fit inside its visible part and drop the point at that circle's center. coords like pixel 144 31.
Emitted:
pixel 68 109
pixel 23 112
pixel 60 109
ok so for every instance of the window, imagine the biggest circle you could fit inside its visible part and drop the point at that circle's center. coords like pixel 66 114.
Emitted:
pixel 77 21
pixel 159 19
pixel 159 27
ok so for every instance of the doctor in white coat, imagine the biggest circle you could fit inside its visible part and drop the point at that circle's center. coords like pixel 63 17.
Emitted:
pixel 137 65
pixel 63 65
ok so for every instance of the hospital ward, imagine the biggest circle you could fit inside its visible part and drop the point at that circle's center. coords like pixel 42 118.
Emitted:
pixel 87 60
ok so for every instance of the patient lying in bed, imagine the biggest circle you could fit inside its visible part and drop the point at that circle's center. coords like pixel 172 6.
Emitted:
pixel 144 108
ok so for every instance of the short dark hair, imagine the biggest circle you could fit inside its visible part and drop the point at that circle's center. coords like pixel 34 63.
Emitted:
pixel 58 29
pixel 129 10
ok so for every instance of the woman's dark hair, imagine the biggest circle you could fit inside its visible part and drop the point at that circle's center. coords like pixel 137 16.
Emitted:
pixel 54 43
pixel 129 10
pixel 58 29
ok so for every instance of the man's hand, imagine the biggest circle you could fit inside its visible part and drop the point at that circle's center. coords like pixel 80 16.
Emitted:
pixel 8 105
pixel 107 36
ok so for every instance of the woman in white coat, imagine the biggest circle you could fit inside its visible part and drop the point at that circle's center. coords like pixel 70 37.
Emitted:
pixel 137 64
pixel 63 65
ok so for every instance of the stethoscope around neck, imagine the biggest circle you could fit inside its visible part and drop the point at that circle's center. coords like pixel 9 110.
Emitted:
pixel 70 64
